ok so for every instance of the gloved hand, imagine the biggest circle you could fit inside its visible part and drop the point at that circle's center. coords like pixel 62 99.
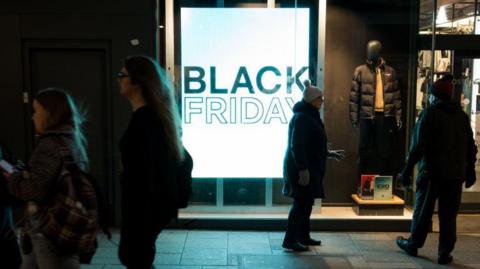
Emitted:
pixel 337 154
pixel 405 177
pixel 20 165
pixel 304 177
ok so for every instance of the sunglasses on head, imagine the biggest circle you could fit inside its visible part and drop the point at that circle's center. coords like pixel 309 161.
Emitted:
pixel 122 75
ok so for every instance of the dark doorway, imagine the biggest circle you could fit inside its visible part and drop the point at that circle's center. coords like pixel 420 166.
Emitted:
pixel 81 68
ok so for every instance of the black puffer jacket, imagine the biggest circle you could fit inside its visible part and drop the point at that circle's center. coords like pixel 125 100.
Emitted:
pixel 362 92
pixel 307 149
pixel 442 143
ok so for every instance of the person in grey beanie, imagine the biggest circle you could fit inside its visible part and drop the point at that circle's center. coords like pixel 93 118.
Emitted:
pixel 304 166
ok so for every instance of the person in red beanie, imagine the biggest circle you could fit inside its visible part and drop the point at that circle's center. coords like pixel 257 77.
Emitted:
pixel 443 146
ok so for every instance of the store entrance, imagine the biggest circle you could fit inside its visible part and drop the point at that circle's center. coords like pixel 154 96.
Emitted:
pixel 465 67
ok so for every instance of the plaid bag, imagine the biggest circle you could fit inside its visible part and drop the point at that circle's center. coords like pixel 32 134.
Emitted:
pixel 71 222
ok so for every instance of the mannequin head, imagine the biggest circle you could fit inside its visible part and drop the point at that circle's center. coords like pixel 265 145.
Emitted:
pixel 374 47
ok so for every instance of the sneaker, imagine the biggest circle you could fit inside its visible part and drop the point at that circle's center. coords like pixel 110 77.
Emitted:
pixel 404 244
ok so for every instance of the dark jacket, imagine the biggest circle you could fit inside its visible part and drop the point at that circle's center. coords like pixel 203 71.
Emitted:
pixel 52 149
pixel 443 145
pixel 8 241
pixel 148 172
pixel 6 199
pixel 362 92
pixel 306 149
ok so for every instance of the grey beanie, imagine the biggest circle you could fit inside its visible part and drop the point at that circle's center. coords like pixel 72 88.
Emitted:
pixel 311 92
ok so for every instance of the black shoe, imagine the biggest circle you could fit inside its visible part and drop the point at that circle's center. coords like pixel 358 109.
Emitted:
pixel 295 246
pixel 405 246
pixel 311 242
pixel 445 259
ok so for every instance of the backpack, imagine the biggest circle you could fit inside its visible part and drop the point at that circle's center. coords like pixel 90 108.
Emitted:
pixel 103 219
pixel 71 222
pixel 184 181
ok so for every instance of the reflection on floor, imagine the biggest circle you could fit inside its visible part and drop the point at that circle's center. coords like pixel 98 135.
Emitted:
pixel 182 249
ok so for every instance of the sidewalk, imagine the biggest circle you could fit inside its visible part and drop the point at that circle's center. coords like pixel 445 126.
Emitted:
pixel 181 249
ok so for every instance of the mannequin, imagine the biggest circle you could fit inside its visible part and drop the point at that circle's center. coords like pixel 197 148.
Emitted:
pixel 374 48
pixel 376 108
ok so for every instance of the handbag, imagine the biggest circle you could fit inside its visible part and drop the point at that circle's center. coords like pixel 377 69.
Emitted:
pixel 184 181
pixel 71 222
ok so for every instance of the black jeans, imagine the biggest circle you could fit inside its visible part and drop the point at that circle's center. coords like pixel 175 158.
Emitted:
pixel 376 145
pixel 449 195
pixel 298 229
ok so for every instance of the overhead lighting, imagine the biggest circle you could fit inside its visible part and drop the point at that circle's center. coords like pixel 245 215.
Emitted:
pixel 442 15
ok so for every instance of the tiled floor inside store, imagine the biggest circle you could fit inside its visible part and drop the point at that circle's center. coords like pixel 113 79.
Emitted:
pixel 182 249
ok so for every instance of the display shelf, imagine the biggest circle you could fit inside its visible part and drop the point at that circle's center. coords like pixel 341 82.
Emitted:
pixel 392 207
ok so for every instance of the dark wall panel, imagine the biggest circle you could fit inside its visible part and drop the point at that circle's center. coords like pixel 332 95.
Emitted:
pixel 56 68
pixel 11 116
pixel 343 53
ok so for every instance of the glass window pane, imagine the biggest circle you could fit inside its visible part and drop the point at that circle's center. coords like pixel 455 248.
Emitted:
pixel 243 191
pixel 278 198
pixel 452 17
pixel 204 191
pixel 425 17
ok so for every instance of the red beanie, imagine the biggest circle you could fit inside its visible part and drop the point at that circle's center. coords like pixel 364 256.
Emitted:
pixel 443 88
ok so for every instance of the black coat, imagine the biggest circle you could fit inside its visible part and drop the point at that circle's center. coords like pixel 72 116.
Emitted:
pixel 148 173
pixel 363 91
pixel 443 145
pixel 307 149
pixel 6 199
pixel 8 241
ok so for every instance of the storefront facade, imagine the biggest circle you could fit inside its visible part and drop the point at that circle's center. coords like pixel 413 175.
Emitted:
pixel 211 35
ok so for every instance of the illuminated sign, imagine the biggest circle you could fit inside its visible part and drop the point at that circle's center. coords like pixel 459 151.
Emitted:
pixel 242 72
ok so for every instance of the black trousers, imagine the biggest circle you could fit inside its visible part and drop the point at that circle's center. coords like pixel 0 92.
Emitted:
pixel 137 240
pixel 449 195
pixel 137 245
pixel 298 228
pixel 377 138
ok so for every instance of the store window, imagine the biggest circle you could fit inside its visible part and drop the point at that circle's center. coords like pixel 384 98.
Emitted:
pixel 453 17
pixel 465 67
pixel 446 54
pixel 442 60
pixel 240 66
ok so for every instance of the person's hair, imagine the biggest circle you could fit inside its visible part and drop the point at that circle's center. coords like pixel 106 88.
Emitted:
pixel 62 111
pixel 158 92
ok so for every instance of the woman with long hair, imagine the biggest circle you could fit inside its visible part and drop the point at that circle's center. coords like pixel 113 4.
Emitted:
pixel 151 149
pixel 57 123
